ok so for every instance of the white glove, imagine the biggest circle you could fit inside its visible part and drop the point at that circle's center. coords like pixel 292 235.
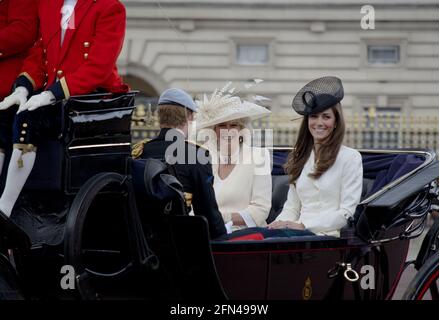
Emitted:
pixel 40 100
pixel 19 96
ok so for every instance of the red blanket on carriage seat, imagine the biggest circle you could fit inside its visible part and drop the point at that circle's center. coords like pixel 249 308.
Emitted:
pixel 258 233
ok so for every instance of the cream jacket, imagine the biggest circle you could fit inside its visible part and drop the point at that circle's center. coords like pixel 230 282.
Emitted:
pixel 247 189
pixel 325 204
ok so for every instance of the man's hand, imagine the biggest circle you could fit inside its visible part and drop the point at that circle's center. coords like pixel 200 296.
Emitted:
pixel 40 100
pixel 19 96
pixel 286 225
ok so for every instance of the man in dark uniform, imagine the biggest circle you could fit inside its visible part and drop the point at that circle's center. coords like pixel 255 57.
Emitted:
pixel 190 161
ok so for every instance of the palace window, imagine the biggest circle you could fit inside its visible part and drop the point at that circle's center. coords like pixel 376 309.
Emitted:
pixel 252 54
pixel 383 54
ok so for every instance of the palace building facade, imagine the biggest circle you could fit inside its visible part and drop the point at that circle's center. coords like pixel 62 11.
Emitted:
pixel 389 65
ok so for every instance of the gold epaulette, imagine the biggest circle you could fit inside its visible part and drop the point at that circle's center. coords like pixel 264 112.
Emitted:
pixel 188 198
pixel 137 148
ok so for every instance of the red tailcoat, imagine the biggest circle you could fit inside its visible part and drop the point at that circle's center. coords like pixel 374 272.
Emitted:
pixel 18 32
pixel 86 61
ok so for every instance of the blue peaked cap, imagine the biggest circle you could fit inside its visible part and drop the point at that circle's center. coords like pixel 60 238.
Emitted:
pixel 175 96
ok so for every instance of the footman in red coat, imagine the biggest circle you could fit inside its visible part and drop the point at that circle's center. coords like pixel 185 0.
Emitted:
pixel 76 52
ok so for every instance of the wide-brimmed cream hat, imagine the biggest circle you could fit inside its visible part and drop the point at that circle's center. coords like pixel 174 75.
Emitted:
pixel 223 106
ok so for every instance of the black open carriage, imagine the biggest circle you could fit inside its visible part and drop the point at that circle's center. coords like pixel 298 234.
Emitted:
pixel 80 209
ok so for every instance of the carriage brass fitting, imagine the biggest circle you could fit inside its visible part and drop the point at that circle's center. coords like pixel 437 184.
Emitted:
pixel 350 274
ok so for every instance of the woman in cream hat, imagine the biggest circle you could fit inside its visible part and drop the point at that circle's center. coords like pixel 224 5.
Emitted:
pixel 242 173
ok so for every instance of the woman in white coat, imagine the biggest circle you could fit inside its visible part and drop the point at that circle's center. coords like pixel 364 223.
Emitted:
pixel 325 176
pixel 242 173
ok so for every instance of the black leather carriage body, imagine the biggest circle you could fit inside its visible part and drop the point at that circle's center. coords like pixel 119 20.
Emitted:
pixel 95 137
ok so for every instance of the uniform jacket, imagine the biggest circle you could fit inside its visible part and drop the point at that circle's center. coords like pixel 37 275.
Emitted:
pixel 86 61
pixel 18 32
pixel 193 170
pixel 323 205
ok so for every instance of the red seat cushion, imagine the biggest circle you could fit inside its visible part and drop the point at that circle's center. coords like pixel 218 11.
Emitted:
pixel 252 236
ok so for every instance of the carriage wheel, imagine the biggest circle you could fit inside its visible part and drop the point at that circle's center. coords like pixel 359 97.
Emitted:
pixel 426 282
pixel 9 282
pixel 74 237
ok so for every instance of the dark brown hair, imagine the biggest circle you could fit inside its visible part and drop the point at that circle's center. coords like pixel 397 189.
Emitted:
pixel 172 116
pixel 327 152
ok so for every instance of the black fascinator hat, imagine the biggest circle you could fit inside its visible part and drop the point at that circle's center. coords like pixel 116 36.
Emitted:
pixel 318 95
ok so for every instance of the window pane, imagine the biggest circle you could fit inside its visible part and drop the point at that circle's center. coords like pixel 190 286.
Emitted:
pixel 383 54
pixel 252 54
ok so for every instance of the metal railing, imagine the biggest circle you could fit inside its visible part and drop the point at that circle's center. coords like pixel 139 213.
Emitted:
pixel 383 131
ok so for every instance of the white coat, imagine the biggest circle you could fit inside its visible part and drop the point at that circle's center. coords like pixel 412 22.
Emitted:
pixel 323 205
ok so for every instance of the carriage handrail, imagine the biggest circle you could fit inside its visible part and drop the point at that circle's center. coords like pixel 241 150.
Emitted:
pixel 99 110
pixel 409 212
pixel 103 95
pixel 416 231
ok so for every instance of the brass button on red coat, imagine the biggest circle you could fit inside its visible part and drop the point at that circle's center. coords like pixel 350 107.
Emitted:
pixel 86 44
pixel 85 55
pixel 59 73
